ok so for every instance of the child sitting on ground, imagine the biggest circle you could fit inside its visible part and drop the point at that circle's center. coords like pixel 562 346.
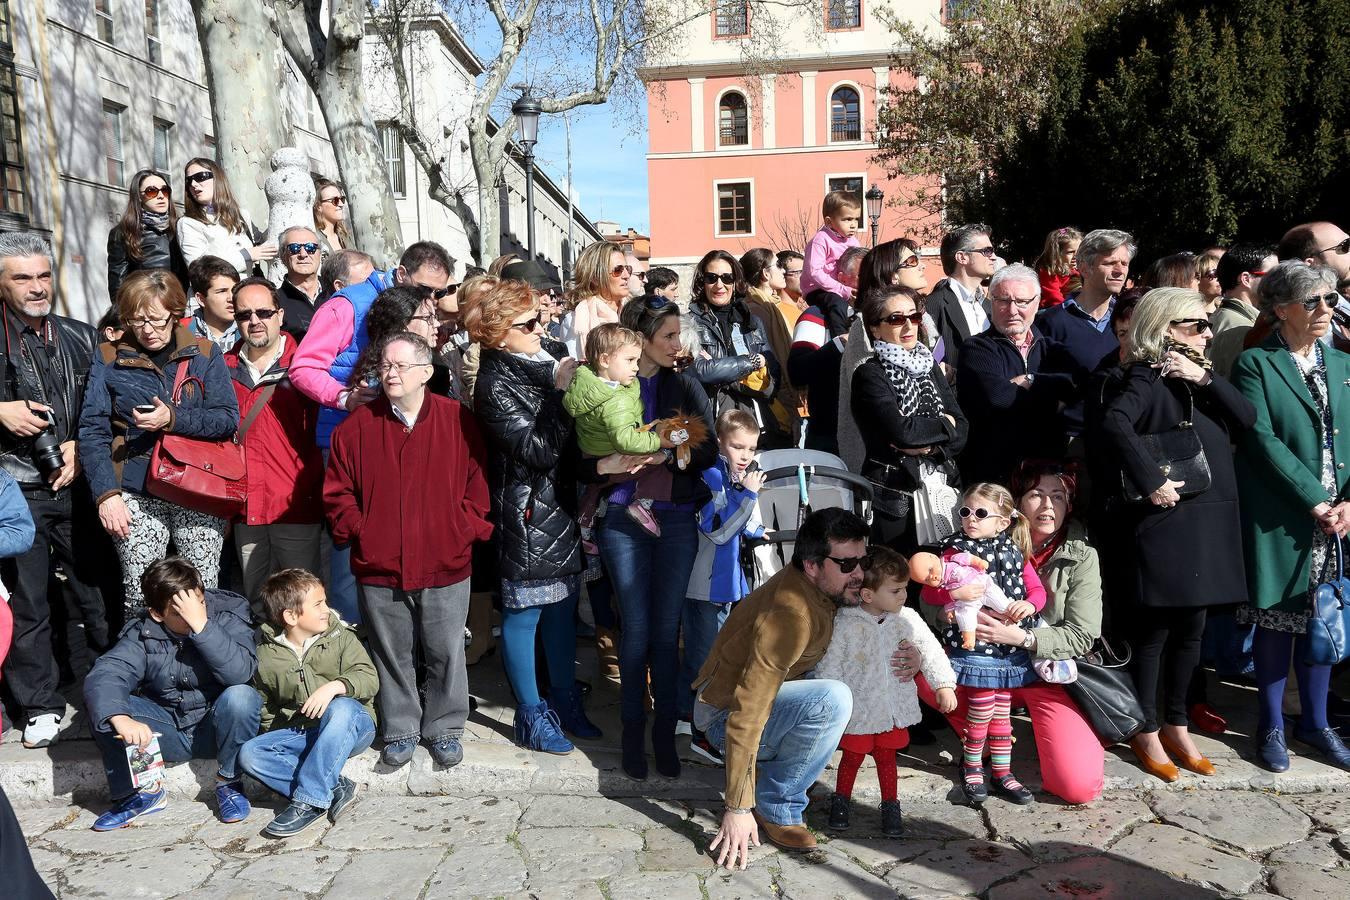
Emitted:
pixel 607 405
pixel 717 581
pixel 884 707
pixel 820 272
pixel 317 684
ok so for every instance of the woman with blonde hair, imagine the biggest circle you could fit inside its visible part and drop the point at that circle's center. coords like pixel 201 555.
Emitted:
pixel 212 223
pixel 601 275
pixel 1178 532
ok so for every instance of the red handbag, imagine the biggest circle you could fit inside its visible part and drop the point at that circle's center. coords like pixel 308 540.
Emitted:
pixel 206 476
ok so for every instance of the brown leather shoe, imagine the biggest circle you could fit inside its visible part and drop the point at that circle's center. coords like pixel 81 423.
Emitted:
pixel 1197 764
pixel 788 837
pixel 1166 771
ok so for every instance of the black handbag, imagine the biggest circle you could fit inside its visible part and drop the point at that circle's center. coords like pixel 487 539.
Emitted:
pixel 1328 639
pixel 1180 457
pixel 1104 692
pixel 892 487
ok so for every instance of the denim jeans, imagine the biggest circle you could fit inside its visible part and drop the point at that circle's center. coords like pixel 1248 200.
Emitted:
pixel 399 624
pixel 650 575
pixel 230 722
pixel 701 622
pixel 342 593
pixel 303 764
pixel 803 729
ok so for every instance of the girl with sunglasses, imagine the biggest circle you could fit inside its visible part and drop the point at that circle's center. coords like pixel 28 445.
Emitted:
pixel 213 224
pixel 146 237
pixel 601 291
pixel 330 216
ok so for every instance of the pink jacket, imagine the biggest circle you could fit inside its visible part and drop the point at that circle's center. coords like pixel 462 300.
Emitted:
pixel 822 262
pixel 589 313
pixel 330 331
pixel 1035 591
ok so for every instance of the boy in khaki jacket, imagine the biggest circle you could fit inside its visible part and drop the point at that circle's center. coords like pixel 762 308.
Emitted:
pixel 317 685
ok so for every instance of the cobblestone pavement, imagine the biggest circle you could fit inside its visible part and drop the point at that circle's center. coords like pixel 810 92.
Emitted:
pixel 1170 845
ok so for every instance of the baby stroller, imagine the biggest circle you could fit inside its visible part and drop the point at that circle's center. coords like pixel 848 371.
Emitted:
pixel 796 482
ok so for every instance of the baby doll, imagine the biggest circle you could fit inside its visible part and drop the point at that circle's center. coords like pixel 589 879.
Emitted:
pixel 956 569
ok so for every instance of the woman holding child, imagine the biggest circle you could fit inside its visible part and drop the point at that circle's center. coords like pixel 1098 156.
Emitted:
pixel 650 572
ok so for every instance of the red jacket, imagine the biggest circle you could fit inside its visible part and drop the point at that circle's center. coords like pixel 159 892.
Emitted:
pixel 1054 287
pixel 285 465
pixel 410 502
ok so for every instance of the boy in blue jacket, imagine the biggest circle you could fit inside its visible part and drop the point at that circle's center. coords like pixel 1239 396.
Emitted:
pixel 717 581
pixel 182 670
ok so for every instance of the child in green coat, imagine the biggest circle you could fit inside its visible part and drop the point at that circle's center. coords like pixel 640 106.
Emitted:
pixel 606 401
pixel 317 685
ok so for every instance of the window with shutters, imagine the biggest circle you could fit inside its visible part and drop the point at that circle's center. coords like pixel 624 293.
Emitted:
pixel 735 207
pixel 391 144
pixel 731 18
pixel 843 15
pixel 112 143
pixel 733 120
pixel 104 20
pixel 163 149
pixel 153 50
pixel 13 202
pixel 845 115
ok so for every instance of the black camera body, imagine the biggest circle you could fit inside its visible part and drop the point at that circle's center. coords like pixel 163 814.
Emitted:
pixel 47 454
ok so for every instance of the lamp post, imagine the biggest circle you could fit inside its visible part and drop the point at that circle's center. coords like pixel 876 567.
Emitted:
pixel 875 198
pixel 527 110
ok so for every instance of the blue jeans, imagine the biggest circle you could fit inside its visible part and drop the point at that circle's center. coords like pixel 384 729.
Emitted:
pixel 803 729
pixel 649 575
pixel 342 595
pixel 303 764
pixel 227 725
pixel 701 622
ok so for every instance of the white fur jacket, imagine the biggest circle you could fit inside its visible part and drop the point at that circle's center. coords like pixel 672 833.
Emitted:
pixel 860 656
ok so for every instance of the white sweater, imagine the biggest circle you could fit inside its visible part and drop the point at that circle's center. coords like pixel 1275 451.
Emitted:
pixel 860 656
pixel 197 239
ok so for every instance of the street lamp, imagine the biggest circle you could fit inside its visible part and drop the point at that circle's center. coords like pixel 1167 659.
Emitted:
pixel 874 197
pixel 526 110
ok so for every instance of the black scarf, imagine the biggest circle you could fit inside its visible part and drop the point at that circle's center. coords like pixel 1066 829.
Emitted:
pixel 910 373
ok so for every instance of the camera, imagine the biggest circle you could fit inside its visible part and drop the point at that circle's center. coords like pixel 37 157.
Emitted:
pixel 47 454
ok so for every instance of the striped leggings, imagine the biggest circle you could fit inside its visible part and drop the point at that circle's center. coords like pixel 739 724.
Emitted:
pixel 988 721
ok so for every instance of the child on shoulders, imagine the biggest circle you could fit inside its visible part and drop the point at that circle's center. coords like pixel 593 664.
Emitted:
pixel 820 272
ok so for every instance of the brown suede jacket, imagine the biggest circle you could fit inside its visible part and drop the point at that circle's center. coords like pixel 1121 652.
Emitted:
pixel 778 633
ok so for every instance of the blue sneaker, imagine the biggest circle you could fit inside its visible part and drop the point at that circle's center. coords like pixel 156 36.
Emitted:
pixel 232 803
pixel 294 819
pixel 398 753
pixel 537 728
pixel 447 753
pixel 141 803
pixel 343 795
pixel 1271 751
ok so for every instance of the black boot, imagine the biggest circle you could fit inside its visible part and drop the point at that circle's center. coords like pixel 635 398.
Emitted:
pixel 663 747
pixel 839 807
pixel 635 750
pixel 892 820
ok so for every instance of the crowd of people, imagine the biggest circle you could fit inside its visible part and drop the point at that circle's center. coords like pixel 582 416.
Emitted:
pixel 375 456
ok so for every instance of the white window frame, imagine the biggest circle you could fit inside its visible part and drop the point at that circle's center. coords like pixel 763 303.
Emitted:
pixel 104 22
pixel 383 128
pixel 716 6
pixel 863 199
pixel 717 120
pixel 167 128
pixel 829 112
pixel 113 120
pixel 717 207
pixel 154 48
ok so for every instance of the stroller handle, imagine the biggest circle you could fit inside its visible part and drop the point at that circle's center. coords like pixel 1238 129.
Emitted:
pixel 856 481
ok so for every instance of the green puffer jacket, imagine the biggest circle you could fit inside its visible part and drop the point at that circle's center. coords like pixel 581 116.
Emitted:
pixel 608 418
pixel 285 681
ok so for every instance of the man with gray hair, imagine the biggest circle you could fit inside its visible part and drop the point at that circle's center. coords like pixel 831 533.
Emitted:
pixel 301 292
pixel 1082 323
pixel 1013 384
pixel 341 269
pixel 46 359
pixel 959 305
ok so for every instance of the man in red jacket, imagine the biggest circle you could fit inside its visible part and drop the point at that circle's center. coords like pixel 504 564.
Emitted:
pixel 405 488
pixel 282 527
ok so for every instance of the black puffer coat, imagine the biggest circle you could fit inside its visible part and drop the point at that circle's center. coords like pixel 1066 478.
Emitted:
pixel 530 444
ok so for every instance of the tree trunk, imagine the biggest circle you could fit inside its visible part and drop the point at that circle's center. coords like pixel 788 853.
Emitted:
pixel 489 212
pixel 242 54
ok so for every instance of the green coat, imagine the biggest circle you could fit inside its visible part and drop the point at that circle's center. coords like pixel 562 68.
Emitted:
pixel 1073 599
pixel 285 681
pixel 1279 468
pixel 608 418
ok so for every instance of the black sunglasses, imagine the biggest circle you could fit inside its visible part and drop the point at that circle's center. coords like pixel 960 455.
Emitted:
pixel 966 512
pixel 850 563
pixel 262 314
pixel 987 252
pixel 199 177
pixel 309 247
pixel 438 293
pixel 914 318
pixel 1311 303
pixel 1201 325
pixel 726 278
pixel 529 324
pixel 1342 247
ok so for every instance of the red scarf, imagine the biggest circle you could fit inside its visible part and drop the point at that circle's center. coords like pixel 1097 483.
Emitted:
pixel 1041 555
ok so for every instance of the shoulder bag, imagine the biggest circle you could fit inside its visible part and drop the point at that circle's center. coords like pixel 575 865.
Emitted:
pixel 1329 621
pixel 1105 693
pixel 1179 455
pixel 202 475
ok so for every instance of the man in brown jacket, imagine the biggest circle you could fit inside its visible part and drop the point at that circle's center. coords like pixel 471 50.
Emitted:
pixel 754 704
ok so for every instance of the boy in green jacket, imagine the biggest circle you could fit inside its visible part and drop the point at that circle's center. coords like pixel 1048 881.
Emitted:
pixel 317 684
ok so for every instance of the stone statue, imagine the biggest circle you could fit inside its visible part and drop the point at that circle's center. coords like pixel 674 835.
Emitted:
pixel 290 198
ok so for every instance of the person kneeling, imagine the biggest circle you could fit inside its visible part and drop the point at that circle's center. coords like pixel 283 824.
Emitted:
pixel 179 671
pixel 317 684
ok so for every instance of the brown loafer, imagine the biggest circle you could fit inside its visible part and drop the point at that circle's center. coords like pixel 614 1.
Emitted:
pixel 788 837
pixel 1197 764
pixel 1166 771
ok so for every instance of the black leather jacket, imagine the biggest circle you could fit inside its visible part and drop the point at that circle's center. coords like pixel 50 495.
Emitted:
pixel 158 251
pixel 720 368
pixel 530 437
pixel 75 343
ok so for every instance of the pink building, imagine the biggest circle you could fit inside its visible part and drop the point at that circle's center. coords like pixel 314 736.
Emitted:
pixel 739 161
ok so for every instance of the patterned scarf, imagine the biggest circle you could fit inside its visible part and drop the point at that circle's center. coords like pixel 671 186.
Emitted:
pixel 1194 355
pixel 156 222
pixel 910 373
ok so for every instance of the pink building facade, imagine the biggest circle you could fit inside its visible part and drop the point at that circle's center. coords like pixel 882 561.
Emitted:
pixel 740 161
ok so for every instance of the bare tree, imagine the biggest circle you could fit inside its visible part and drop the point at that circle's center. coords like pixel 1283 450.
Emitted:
pixel 792 230
pixel 328 52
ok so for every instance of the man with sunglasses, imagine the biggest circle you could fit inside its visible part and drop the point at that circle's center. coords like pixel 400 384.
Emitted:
pixel 776 728
pixel 282 523
pixel 301 290
pixel 1319 244
pixel 959 305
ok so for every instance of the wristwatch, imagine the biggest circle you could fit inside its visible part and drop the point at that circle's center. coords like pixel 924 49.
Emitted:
pixel 1029 642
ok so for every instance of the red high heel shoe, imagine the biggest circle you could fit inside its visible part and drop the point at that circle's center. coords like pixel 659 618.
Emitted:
pixel 1203 717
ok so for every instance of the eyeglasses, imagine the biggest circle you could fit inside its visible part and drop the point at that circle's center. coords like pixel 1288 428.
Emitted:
pixel 1200 325
pixel 727 278
pixel 914 318
pixel 621 270
pixel 152 192
pixel 402 368
pixel 848 564
pixel 336 201
pixel 1015 301
pixel 309 247
pixel 986 252
pixel 142 321
pixel 795 272
pixel 1342 247
pixel 429 319
pixel 529 324
pixel 979 513
pixel 642 277
pixel 200 177
pixel 1311 303
pixel 1210 273
pixel 243 315
pixel 910 262
pixel 438 293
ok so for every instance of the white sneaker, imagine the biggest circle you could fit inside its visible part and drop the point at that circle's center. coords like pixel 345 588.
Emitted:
pixel 684 726
pixel 41 731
